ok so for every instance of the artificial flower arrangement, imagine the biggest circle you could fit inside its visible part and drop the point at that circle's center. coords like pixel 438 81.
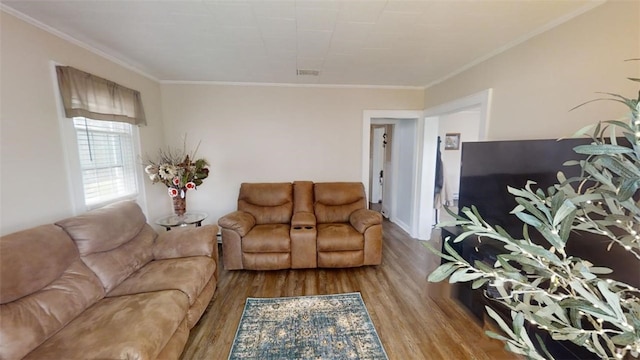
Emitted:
pixel 178 171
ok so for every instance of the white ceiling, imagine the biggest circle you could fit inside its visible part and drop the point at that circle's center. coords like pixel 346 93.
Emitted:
pixel 366 42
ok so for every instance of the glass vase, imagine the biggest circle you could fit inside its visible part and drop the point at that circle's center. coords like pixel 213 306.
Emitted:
pixel 180 203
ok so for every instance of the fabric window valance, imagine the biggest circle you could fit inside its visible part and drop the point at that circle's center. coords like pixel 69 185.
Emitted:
pixel 90 96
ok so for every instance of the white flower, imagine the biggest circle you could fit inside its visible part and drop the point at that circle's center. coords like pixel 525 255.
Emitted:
pixel 167 171
pixel 151 169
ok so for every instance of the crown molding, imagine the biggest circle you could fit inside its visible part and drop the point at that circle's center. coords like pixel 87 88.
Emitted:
pixel 329 86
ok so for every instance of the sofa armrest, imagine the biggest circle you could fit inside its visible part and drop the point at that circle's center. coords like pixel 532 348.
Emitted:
pixel 363 218
pixel 238 221
pixel 303 219
pixel 187 241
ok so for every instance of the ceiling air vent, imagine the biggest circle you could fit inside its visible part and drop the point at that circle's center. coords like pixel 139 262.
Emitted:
pixel 308 72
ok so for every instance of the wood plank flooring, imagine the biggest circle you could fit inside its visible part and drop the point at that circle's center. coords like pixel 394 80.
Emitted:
pixel 415 319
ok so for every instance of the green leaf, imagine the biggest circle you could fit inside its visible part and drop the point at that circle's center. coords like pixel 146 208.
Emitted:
pixel 602 149
pixel 565 210
pixel 518 324
pixel 529 219
pixel 596 343
pixel 494 315
pixel 620 124
pixel 612 299
pixel 600 270
pixel 478 283
pixel 626 338
pixel 620 167
pixel 442 272
pixel 566 226
pixel 628 188
pixel 453 253
pixel 541 213
pixel 496 336
pixel 583 131
pixel 599 309
pixel 462 275
pixel 437 252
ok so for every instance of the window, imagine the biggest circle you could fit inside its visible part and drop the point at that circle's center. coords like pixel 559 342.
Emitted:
pixel 107 160
pixel 99 125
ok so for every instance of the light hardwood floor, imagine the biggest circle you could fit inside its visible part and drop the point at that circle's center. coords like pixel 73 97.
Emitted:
pixel 415 319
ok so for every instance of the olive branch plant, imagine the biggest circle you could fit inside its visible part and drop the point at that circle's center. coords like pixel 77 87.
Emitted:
pixel 569 297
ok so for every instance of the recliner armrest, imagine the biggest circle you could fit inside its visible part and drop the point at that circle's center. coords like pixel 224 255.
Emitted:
pixel 187 241
pixel 238 221
pixel 303 219
pixel 363 218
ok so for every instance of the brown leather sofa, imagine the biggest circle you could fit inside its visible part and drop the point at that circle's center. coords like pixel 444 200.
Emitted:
pixel 104 285
pixel 301 225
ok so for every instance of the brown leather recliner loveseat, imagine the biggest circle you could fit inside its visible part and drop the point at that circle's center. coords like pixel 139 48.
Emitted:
pixel 104 285
pixel 301 225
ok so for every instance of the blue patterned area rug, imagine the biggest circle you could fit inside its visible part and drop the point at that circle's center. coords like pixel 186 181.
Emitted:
pixel 307 327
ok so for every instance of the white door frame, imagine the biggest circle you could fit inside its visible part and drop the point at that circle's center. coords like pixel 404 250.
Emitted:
pixel 427 134
pixel 481 99
pixel 393 115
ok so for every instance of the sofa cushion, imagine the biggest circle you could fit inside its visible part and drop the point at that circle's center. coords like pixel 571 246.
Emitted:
pixel 29 321
pixel 187 242
pixel 339 237
pixel 189 275
pixel 341 259
pixel 266 261
pixel 267 238
pixel 125 327
pixel 202 302
pixel 269 203
pixel 48 246
pixel 105 228
pixel 113 266
pixel 334 202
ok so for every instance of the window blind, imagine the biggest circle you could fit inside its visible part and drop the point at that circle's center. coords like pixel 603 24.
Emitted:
pixel 107 159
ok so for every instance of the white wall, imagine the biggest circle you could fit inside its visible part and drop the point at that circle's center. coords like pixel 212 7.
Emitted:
pixel 536 83
pixel 467 124
pixel 33 179
pixel 405 140
pixel 273 133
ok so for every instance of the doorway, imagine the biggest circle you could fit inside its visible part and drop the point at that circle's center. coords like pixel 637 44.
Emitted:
pixel 454 129
pixel 400 190
pixel 421 131
pixel 379 157
pixel 478 106
pixel 381 167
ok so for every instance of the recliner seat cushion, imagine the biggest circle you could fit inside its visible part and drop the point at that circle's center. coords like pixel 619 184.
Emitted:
pixel 189 275
pixel 339 237
pixel 124 327
pixel 267 238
